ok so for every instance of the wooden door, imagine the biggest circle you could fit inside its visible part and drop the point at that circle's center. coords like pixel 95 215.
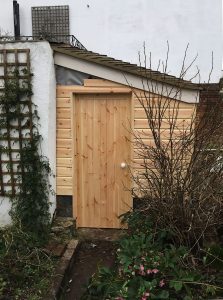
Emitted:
pixel 102 147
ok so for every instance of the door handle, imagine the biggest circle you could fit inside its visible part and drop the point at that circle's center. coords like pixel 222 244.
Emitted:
pixel 123 165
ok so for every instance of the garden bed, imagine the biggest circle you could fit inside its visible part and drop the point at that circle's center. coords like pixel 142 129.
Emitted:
pixel 33 269
pixel 26 266
pixel 89 256
pixel 149 265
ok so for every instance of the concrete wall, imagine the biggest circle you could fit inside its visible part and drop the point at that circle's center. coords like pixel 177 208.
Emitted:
pixel 44 96
pixel 119 28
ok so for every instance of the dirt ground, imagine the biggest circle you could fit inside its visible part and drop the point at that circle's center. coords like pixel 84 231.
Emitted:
pixel 87 259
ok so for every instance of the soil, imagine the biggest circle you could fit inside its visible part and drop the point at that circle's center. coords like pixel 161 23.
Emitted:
pixel 88 257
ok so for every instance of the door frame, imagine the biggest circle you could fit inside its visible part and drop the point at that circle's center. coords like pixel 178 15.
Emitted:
pixel 97 90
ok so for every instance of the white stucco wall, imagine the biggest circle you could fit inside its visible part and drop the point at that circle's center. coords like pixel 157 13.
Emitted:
pixel 44 96
pixel 119 28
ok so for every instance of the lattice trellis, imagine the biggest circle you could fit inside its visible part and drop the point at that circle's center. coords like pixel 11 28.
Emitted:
pixel 16 126
pixel 50 21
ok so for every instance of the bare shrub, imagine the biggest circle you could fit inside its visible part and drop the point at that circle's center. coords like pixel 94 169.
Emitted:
pixel 180 174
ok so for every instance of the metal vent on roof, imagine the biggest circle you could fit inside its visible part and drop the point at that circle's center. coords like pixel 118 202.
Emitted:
pixel 51 21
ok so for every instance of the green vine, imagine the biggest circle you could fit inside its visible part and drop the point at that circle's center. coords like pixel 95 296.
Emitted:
pixel 31 205
pixel 30 189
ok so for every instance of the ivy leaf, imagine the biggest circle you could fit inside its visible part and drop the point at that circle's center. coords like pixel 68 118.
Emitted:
pixel 162 295
pixel 211 290
pixel 188 278
pixel 177 285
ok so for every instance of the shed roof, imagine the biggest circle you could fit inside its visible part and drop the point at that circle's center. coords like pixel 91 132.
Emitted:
pixel 124 66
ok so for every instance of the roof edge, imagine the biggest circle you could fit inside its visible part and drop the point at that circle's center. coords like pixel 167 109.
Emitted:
pixel 126 78
pixel 125 67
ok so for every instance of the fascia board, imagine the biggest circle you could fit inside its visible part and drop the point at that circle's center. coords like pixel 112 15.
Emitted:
pixel 134 81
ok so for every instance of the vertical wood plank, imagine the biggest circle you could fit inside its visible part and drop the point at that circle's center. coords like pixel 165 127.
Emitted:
pixel 77 160
pixel 103 160
pixel 96 161
pixel 111 165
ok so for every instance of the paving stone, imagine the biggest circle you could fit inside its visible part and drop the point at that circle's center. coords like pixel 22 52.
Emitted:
pixel 58 250
pixel 72 244
pixel 55 248
pixel 61 270
pixel 57 229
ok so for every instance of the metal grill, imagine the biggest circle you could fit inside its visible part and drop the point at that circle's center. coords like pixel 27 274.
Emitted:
pixel 50 21
pixel 68 39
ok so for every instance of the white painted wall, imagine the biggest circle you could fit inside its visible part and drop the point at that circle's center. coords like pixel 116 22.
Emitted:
pixel 44 96
pixel 118 28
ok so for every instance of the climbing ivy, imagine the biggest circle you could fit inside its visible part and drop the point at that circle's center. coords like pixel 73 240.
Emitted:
pixel 31 204
pixel 29 183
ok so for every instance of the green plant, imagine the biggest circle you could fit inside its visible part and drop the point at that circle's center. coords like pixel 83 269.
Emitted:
pixel 3 284
pixel 149 266
pixel 31 204
pixel 214 257
pixel 25 267
pixel 30 200
pixel 138 222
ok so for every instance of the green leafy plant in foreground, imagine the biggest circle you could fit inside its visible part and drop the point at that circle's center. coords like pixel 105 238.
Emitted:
pixel 150 267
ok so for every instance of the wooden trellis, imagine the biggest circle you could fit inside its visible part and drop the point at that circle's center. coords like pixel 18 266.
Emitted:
pixel 15 121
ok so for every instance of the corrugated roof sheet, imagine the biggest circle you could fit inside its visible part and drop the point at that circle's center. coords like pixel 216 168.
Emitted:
pixel 124 66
